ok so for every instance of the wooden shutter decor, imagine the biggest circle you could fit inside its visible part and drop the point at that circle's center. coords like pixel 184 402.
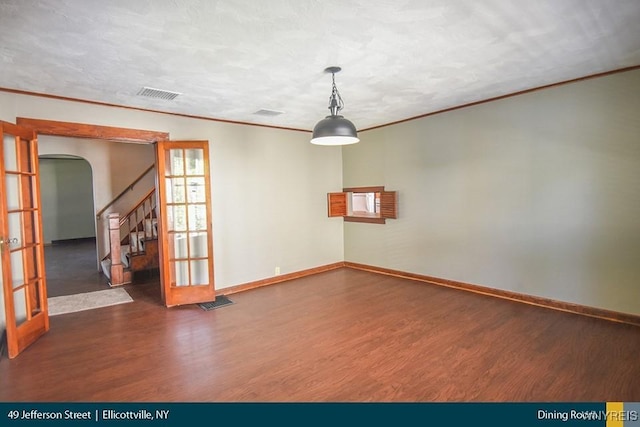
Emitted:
pixel 389 204
pixel 337 204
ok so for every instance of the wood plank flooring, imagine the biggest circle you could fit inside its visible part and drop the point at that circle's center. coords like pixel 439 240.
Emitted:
pixel 342 335
pixel 71 268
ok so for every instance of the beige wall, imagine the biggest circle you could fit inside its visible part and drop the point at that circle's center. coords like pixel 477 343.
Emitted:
pixel 268 185
pixel 67 199
pixel 537 194
pixel 114 167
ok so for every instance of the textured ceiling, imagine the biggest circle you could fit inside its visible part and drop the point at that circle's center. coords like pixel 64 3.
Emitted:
pixel 229 59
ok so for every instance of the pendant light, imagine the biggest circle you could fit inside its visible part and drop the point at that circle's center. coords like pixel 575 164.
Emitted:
pixel 334 129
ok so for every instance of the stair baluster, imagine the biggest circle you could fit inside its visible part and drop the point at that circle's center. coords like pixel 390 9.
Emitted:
pixel 130 234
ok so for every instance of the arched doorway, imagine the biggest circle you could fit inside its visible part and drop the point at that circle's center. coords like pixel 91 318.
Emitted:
pixel 68 220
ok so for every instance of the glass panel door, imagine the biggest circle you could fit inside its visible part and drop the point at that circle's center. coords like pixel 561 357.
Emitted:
pixel 186 245
pixel 21 244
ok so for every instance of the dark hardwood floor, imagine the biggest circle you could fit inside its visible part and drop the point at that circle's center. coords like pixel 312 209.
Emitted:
pixel 341 335
pixel 71 268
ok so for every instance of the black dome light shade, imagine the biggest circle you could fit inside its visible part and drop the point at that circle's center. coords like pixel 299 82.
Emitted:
pixel 334 129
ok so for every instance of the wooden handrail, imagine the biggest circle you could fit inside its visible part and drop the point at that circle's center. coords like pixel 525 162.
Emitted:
pixel 116 222
pixel 124 218
pixel 125 191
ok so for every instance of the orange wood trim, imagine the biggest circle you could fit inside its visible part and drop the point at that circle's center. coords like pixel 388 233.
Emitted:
pixel 370 189
pixel 147 260
pixel 82 130
pixel 496 98
pixel 5 260
pixel 336 204
pixel 42 285
pixel 389 204
pixel 35 325
pixel 369 220
pixel 192 116
pixel 180 295
pixel 388 211
pixel 278 279
pixel 163 238
pixel 147 110
pixel 599 313
pixel 117 269
pixel 30 331
pixel 16 130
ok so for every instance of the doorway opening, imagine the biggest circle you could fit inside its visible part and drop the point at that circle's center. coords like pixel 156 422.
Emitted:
pixel 82 182
pixel 69 225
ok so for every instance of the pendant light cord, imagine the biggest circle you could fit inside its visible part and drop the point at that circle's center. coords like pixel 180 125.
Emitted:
pixel 335 101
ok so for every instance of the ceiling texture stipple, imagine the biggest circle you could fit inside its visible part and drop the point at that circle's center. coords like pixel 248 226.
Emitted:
pixel 230 59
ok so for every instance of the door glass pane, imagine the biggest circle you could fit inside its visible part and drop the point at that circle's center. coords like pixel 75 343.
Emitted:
pixel 15 227
pixel 198 243
pixel 186 201
pixel 17 269
pixel 13 193
pixel 199 272
pixel 176 162
pixel 196 190
pixel 22 254
pixel 170 216
pixel 197 217
pixel 20 306
pixel 10 156
pixel 177 218
pixel 175 190
pixel 195 161
pixel 180 245
pixel 182 273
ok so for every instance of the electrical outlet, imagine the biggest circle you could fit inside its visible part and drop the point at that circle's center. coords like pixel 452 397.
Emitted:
pixel 277 271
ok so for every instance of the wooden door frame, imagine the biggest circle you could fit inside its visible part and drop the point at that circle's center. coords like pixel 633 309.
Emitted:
pixel 173 295
pixel 92 131
pixel 22 333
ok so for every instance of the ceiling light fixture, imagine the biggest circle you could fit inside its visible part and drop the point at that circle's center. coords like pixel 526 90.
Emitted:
pixel 334 129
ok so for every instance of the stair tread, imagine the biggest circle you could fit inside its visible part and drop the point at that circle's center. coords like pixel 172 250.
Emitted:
pixel 138 232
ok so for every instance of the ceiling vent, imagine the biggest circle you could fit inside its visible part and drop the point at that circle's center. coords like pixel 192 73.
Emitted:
pixel 267 112
pixel 158 93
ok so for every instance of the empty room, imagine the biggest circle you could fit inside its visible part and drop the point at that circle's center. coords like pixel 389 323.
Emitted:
pixel 365 201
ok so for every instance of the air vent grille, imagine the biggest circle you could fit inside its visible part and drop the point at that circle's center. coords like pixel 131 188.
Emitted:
pixel 157 93
pixel 267 112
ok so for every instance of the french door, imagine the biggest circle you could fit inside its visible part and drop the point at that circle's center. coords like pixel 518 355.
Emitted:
pixel 185 227
pixel 21 242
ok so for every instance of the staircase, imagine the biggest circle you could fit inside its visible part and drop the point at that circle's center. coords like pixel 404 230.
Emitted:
pixel 133 242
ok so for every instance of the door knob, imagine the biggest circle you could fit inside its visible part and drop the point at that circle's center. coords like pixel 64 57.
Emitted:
pixel 8 242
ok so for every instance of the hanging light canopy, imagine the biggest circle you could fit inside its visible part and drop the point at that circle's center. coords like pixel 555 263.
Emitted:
pixel 334 129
